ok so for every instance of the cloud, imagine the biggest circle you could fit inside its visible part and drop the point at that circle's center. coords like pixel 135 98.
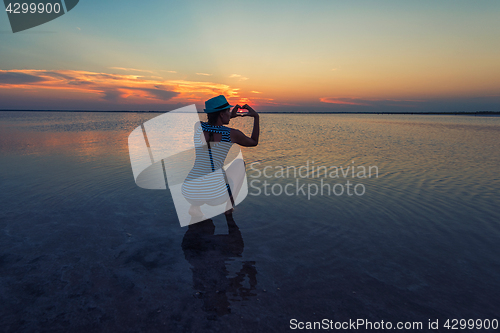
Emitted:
pixel 167 71
pixel 244 101
pixel 256 92
pixel 111 95
pixel 131 69
pixel 194 91
pixel 123 91
pixel 58 75
pixel 261 101
pixel 18 78
pixel 204 74
pixel 238 76
pixel 80 83
pixel 164 95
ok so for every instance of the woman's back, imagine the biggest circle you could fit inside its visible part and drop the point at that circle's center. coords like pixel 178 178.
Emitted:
pixel 206 180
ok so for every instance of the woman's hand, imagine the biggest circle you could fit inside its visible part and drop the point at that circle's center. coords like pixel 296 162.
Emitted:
pixel 235 109
pixel 251 112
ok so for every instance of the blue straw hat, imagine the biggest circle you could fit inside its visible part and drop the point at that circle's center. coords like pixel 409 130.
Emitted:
pixel 216 104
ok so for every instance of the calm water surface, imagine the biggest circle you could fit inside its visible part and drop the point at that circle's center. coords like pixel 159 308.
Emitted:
pixel 82 248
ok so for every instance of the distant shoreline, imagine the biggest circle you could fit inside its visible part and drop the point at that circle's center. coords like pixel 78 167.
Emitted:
pixel 476 113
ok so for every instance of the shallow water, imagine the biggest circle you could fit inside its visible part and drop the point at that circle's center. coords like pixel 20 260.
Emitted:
pixel 83 248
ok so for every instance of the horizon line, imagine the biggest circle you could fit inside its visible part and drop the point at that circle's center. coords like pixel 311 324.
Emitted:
pixel 278 112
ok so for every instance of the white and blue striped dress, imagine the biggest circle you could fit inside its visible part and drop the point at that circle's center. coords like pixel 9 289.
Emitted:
pixel 206 184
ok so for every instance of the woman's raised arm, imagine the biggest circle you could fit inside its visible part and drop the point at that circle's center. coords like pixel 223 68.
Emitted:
pixel 238 137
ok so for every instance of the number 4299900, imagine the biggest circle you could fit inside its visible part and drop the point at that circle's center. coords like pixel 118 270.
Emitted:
pixel 32 8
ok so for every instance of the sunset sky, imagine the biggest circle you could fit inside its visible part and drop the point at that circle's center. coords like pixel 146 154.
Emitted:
pixel 276 55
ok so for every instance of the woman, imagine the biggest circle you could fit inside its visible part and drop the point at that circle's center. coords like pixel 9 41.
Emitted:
pixel 208 182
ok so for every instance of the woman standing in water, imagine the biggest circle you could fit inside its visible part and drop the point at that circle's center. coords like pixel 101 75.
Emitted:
pixel 208 182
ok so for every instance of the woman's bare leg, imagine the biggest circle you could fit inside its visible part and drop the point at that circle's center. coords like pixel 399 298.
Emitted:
pixel 235 175
pixel 195 211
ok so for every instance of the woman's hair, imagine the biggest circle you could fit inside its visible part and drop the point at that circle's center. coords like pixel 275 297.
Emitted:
pixel 214 116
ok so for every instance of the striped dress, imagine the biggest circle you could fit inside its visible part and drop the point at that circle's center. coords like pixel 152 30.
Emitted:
pixel 206 184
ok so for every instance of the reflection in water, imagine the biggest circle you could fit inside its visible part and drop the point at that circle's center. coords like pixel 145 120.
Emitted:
pixel 208 253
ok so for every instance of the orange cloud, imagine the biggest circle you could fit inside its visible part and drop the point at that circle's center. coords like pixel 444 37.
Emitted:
pixel 258 102
pixel 238 76
pixel 121 89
